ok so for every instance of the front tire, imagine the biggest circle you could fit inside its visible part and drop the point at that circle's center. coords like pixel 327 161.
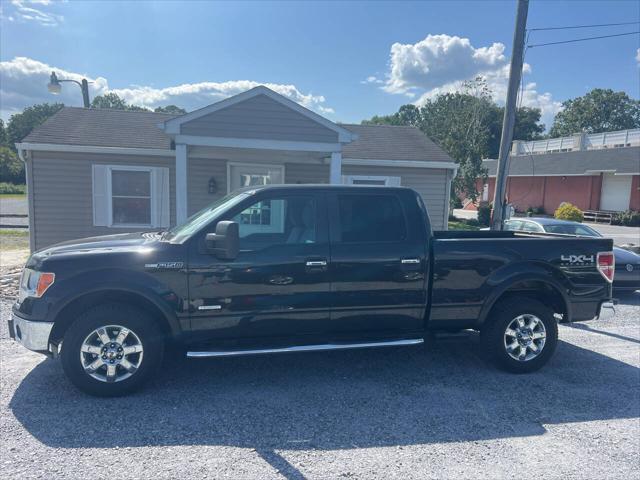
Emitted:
pixel 522 335
pixel 112 350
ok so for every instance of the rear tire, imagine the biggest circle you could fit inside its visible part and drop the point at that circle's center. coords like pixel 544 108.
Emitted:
pixel 112 350
pixel 521 335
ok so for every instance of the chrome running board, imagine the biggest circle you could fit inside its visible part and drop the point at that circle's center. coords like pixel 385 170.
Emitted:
pixel 304 348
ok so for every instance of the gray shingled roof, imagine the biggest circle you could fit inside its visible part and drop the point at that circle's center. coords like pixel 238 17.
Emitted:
pixel 386 142
pixel 102 128
pixel 580 162
pixel 118 128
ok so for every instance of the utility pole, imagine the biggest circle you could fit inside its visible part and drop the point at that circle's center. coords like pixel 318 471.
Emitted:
pixel 509 120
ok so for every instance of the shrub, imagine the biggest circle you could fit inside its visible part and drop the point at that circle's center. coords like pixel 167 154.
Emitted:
pixel 567 211
pixel 484 214
pixel 10 188
pixel 630 218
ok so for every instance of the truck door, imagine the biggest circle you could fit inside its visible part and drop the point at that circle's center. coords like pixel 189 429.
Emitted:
pixel 378 266
pixel 278 285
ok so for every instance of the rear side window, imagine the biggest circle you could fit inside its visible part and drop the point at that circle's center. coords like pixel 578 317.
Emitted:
pixel 371 218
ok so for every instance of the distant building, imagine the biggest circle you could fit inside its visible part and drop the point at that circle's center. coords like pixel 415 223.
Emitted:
pixel 594 172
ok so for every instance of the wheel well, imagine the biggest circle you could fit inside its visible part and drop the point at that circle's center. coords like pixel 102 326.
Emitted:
pixel 536 290
pixel 70 312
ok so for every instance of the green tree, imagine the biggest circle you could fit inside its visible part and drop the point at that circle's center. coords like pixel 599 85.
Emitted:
pixel 173 109
pixel 3 134
pixel 115 102
pixel 11 168
pixel 468 126
pixel 600 110
pixel 21 124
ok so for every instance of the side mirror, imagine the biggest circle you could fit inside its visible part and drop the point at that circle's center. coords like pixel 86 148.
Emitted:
pixel 225 243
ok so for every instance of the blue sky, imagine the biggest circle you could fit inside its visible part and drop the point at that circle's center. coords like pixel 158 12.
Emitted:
pixel 319 54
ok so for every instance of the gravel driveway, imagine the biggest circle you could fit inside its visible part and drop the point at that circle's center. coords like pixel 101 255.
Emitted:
pixel 438 412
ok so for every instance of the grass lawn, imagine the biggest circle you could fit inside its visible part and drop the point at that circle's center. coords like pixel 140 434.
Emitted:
pixel 18 196
pixel 14 239
pixel 455 225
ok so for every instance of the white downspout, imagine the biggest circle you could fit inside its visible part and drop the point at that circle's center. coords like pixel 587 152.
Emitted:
pixel 29 181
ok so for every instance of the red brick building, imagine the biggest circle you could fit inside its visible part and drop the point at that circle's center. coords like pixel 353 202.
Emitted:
pixel 594 172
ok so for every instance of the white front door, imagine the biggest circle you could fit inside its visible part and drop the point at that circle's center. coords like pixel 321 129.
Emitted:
pixel 616 192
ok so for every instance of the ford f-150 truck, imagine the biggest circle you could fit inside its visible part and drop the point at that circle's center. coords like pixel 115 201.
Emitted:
pixel 301 268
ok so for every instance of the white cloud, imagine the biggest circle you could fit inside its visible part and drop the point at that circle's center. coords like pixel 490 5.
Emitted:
pixel 36 11
pixel 371 79
pixel 23 82
pixel 638 55
pixel 442 63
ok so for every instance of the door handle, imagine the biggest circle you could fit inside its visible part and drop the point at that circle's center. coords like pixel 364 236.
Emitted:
pixel 410 261
pixel 316 263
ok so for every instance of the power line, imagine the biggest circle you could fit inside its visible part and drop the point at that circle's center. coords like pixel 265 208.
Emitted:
pixel 568 27
pixel 584 39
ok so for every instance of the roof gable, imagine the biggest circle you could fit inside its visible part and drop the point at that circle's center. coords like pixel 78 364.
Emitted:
pixel 174 126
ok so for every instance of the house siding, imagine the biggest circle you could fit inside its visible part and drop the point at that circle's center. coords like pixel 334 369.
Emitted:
pixel 306 173
pixel 259 117
pixel 62 194
pixel 431 184
pixel 199 172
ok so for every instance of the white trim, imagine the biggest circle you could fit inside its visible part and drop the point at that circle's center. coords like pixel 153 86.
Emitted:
pixel 447 200
pixel 594 174
pixel 54 147
pixel 172 126
pixel 181 183
pixel 388 179
pixel 400 163
pixel 335 168
pixel 264 144
pixel 258 165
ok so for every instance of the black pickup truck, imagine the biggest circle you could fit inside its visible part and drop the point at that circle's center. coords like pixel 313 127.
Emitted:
pixel 301 268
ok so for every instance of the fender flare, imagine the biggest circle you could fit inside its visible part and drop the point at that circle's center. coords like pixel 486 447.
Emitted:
pixel 505 285
pixel 129 288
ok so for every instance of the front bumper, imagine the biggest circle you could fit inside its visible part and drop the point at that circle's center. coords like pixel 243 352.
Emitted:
pixel 31 335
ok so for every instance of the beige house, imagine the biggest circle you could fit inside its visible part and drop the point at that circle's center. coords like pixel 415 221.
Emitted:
pixel 97 172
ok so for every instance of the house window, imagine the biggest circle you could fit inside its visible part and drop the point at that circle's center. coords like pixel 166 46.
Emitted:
pixel 130 196
pixel 241 175
pixel 383 181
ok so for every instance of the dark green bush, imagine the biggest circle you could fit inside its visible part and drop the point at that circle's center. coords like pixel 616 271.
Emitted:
pixel 484 214
pixel 11 188
pixel 630 218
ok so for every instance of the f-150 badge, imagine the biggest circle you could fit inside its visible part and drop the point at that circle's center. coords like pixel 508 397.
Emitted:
pixel 165 265
pixel 577 259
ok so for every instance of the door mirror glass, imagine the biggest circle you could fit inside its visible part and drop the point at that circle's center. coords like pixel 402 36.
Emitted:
pixel 225 243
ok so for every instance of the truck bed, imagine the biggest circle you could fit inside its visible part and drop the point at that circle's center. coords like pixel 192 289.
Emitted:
pixel 468 265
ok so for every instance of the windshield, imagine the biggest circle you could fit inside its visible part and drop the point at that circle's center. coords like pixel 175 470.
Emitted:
pixel 195 222
pixel 568 229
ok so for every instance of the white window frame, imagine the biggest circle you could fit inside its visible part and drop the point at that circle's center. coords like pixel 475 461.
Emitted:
pixel 389 181
pixel 154 204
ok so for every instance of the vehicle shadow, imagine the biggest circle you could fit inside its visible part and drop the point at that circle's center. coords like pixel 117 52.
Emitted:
pixel 331 400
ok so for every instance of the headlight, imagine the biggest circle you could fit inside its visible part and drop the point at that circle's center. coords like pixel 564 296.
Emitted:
pixel 34 284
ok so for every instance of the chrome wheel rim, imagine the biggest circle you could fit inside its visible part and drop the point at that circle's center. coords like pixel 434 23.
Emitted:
pixel 111 353
pixel 525 337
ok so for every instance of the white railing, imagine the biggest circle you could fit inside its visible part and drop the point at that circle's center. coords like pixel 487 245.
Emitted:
pixel 619 139
pixel 594 141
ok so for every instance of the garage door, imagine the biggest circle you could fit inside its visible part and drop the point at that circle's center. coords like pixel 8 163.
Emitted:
pixel 616 192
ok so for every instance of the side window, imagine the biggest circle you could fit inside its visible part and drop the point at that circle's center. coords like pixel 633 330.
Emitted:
pixel 531 227
pixel 278 221
pixel 371 218
pixel 513 225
